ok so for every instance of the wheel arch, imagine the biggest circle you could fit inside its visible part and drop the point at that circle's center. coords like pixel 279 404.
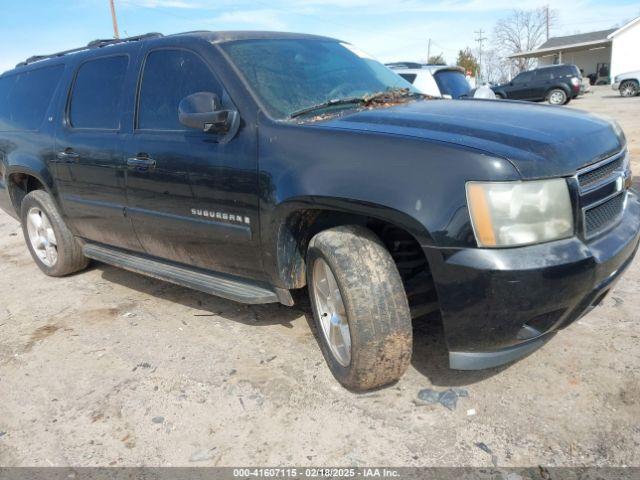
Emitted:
pixel 295 222
pixel 24 174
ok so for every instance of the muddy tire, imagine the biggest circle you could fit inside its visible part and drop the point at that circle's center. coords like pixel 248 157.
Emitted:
pixel 352 263
pixel 53 247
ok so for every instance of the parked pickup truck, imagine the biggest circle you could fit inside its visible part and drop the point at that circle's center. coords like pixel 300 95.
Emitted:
pixel 250 165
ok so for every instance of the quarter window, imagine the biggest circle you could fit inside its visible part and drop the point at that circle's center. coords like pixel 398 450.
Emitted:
pixel 96 93
pixel 168 77
pixel 25 97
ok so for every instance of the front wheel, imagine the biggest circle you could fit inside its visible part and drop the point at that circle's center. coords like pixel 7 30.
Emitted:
pixel 52 246
pixel 557 96
pixel 360 307
pixel 629 88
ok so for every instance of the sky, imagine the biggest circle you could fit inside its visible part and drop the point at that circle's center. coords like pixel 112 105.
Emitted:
pixel 390 30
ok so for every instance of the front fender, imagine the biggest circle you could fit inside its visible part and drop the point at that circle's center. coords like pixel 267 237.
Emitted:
pixel 412 183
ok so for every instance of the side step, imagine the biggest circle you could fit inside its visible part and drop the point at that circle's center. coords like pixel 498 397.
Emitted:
pixel 218 284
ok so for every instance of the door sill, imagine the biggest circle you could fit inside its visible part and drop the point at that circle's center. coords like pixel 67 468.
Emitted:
pixel 219 284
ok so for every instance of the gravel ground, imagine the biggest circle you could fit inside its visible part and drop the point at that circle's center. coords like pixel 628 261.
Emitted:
pixel 111 368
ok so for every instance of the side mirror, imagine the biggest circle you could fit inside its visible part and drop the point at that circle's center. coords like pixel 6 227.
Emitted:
pixel 203 111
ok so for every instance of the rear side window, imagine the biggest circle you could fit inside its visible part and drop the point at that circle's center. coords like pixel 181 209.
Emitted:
pixel 409 77
pixel 543 75
pixel 168 77
pixel 96 93
pixel 452 83
pixel 25 97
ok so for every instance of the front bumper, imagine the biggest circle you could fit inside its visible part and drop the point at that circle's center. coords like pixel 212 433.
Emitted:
pixel 615 86
pixel 498 305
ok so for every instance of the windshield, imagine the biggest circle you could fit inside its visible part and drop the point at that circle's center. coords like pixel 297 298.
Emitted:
pixel 452 83
pixel 290 75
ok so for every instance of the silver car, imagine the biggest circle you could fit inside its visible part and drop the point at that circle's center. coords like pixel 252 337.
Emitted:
pixel 628 84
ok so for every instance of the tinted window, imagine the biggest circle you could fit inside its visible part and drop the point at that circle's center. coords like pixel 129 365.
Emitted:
pixel 546 74
pixel 169 76
pixel 25 98
pixel 409 77
pixel 523 77
pixel 452 83
pixel 6 84
pixel 96 93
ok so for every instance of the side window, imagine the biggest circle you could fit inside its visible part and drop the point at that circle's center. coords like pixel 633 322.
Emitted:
pixel 6 84
pixel 25 97
pixel 96 93
pixel 409 77
pixel 524 77
pixel 168 77
pixel 544 75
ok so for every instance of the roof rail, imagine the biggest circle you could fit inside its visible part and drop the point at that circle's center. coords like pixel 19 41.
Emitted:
pixel 404 64
pixel 91 45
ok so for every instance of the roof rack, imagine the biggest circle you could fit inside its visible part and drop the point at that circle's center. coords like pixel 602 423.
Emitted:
pixel 91 45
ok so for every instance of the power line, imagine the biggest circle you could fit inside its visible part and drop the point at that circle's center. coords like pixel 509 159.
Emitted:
pixel 480 39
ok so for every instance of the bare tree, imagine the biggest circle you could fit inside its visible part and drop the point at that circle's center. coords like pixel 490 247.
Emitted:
pixel 495 66
pixel 522 31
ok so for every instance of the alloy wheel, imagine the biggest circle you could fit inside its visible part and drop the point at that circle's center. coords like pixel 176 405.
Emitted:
pixel 332 312
pixel 42 237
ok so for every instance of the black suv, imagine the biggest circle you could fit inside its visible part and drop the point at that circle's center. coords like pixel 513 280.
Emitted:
pixel 556 84
pixel 250 165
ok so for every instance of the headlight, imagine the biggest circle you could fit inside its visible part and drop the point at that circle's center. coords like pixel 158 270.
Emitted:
pixel 509 214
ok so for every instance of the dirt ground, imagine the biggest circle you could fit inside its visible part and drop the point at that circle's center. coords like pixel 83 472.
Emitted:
pixel 112 368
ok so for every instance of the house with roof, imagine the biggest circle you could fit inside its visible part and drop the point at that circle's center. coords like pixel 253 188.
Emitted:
pixel 599 55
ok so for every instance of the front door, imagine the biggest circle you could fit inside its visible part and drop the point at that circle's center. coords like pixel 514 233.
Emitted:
pixel 520 87
pixel 89 167
pixel 192 199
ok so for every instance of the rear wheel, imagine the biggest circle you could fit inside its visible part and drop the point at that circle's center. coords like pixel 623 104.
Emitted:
pixel 629 88
pixel 53 247
pixel 360 307
pixel 557 96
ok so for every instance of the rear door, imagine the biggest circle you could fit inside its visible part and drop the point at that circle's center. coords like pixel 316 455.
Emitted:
pixel 192 198
pixel 90 166
pixel 542 83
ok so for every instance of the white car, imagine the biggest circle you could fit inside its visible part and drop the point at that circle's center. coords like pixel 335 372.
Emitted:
pixel 435 80
pixel 628 84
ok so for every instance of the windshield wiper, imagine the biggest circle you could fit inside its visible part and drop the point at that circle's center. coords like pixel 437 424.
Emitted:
pixel 327 104
pixel 391 94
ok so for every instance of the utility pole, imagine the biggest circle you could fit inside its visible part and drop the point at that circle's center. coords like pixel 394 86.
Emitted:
pixel 479 39
pixel 429 51
pixel 114 19
pixel 546 17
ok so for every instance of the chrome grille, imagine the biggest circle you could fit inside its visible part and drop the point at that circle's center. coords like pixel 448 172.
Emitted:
pixel 597 219
pixel 602 194
pixel 592 177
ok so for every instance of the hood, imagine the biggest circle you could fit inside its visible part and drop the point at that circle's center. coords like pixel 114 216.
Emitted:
pixel 539 140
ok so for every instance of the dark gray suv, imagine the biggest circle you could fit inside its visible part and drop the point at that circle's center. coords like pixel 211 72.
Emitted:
pixel 556 84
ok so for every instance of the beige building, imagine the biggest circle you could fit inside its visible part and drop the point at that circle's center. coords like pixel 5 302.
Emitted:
pixel 599 55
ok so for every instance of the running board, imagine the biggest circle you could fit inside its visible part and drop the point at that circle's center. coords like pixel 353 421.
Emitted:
pixel 218 284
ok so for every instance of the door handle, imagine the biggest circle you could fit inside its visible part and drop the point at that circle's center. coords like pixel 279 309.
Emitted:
pixel 68 155
pixel 141 163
